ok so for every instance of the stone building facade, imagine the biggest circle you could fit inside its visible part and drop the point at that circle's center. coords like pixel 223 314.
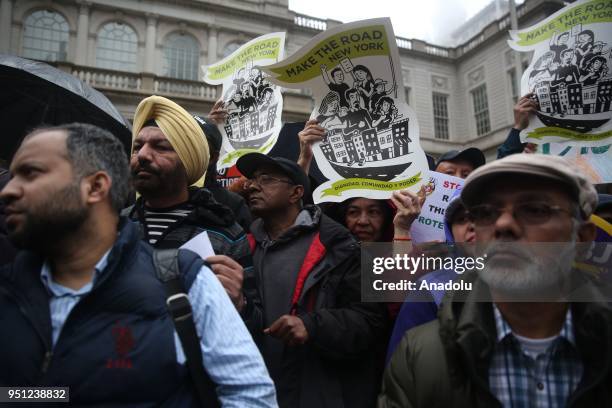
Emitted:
pixel 129 49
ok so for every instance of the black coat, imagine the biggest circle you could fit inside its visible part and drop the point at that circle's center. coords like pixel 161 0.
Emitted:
pixel 340 365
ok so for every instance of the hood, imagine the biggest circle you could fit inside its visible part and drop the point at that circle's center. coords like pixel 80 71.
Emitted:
pixel 307 220
pixel 337 212
pixel 454 204
pixel 208 209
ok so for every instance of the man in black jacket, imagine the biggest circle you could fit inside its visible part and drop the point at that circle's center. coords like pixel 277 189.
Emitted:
pixel 170 154
pixel 320 336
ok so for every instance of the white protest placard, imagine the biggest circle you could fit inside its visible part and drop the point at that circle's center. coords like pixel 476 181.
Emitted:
pixel 254 104
pixel 594 162
pixel 372 144
pixel 200 244
pixel 429 225
pixel 570 75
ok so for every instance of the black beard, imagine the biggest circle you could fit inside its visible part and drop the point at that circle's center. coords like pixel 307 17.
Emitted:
pixel 160 184
pixel 52 221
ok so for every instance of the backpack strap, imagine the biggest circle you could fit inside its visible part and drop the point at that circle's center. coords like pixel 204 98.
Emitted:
pixel 167 270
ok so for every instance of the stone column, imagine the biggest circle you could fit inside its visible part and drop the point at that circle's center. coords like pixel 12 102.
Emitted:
pixel 82 33
pixel 6 22
pixel 151 40
pixel 212 45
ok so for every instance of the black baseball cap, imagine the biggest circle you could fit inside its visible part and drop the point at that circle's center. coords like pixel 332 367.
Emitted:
pixel 211 131
pixel 251 162
pixel 471 155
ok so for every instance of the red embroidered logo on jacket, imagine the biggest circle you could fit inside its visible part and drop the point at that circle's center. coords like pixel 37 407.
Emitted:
pixel 124 342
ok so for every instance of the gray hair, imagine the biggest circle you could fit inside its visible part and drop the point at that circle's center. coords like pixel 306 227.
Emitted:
pixel 91 149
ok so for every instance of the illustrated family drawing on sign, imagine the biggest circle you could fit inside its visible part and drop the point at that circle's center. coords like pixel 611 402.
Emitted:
pixel 362 121
pixel 572 77
pixel 251 106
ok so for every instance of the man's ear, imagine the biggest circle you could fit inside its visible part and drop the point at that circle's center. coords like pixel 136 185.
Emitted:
pixel 587 232
pixel 296 194
pixel 97 187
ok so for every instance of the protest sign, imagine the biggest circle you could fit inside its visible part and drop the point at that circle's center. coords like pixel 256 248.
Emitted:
pixel 569 75
pixel 372 143
pixel 226 176
pixel 594 162
pixel 254 104
pixel 604 229
pixel 429 225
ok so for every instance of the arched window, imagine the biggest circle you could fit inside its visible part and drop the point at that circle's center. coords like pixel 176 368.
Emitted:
pixel 181 56
pixel 229 48
pixel 117 47
pixel 45 36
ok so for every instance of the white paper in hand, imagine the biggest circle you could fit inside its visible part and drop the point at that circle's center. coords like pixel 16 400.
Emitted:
pixel 200 244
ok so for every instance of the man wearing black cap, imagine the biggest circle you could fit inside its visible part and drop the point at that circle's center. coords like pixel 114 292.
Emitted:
pixel 460 163
pixel 319 333
pixel 231 200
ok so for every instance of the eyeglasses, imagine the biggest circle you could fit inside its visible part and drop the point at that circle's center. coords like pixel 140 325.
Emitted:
pixel 264 180
pixel 533 213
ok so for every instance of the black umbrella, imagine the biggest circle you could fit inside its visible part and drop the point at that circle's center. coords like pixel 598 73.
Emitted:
pixel 34 93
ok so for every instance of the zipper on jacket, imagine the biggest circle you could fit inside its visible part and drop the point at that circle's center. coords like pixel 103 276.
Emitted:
pixel 48 353
pixel 46 362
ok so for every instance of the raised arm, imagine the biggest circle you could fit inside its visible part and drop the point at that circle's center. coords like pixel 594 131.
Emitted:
pixel 312 133
pixel 325 74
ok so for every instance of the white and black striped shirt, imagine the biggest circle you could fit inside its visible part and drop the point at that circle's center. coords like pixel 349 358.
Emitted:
pixel 158 221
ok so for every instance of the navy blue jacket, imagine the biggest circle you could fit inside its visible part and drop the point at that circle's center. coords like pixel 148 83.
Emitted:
pixel 511 145
pixel 116 346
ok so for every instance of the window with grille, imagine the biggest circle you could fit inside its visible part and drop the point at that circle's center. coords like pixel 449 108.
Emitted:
pixel 45 36
pixel 229 48
pixel 440 110
pixel 514 85
pixel 407 94
pixel 181 57
pixel 117 47
pixel 481 110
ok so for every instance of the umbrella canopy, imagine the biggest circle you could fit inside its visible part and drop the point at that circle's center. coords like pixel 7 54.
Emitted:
pixel 34 94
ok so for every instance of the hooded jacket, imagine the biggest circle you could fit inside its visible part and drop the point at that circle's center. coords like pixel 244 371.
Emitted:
pixel 445 363
pixel 335 368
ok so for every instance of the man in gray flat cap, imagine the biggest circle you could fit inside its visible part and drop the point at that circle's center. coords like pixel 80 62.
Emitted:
pixel 512 349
